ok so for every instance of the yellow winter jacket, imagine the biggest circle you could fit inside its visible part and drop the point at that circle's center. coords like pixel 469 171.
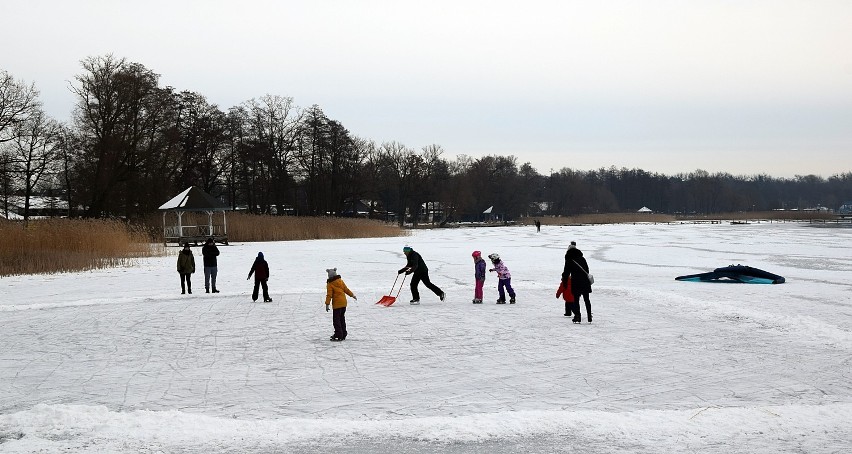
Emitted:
pixel 336 291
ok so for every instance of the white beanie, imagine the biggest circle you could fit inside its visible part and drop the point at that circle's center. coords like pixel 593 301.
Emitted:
pixel 331 272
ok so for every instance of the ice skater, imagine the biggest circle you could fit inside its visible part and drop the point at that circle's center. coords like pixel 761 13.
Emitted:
pixel 577 269
pixel 564 291
pixel 505 279
pixel 260 269
pixel 335 295
pixel 417 268
pixel 479 276
pixel 211 269
pixel 185 267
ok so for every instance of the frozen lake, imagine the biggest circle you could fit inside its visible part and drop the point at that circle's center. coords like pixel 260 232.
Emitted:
pixel 119 361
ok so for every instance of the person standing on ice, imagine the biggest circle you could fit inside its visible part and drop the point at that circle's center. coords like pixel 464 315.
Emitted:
pixel 564 291
pixel 577 269
pixel 336 291
pixel 505 279
pixel 185 267
pixel 417 267
pixel 260 269
pixel 479 276
pixel 210 252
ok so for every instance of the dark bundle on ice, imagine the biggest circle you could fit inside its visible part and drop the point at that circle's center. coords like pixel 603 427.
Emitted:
pixel 735 273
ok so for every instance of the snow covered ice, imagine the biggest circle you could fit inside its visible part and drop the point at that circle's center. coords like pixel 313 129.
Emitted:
pixel 119 361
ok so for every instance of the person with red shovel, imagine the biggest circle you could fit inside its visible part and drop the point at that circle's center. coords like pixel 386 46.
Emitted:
pixel 417 268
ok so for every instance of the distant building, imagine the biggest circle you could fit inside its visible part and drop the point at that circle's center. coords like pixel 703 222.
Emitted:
pixel 845 209
pixel 40 207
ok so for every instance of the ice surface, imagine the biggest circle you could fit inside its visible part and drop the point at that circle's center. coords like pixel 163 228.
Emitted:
pixel 118 361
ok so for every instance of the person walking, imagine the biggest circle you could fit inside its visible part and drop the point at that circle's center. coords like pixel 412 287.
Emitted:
pixel 335 295
pixel 478 275
pixel 260 269
pixel 577 269
pixel 564 291
pixel 420 272
pixel 185 267
pixel 505 279
pixel 210 252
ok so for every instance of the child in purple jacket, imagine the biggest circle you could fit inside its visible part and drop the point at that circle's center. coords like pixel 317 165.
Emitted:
pixel 505 279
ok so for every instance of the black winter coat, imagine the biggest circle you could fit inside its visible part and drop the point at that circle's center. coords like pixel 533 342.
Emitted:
pixel 260 269
pixel 577 268
pixel 209 251
pixel 415 264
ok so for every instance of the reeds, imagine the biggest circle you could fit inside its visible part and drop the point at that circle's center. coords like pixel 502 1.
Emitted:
pixel 249 227
pixel 67 245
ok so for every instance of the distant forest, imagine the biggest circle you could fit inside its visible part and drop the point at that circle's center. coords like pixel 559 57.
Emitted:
pixel 131 145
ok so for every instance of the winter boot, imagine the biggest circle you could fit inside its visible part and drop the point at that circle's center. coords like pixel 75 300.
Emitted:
pixel 512 300
pixel 576 319
pixel 214 290
pixel 414 302
pixel 590 317
pixel 206 290
pixel 501 301
pixel 443 295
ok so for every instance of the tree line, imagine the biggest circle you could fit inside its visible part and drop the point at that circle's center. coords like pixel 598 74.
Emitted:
pixel 132 144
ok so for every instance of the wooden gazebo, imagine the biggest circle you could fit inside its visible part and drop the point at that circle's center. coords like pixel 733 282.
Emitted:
pixel 194 200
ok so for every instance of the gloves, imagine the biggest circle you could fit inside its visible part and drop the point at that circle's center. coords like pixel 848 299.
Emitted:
pixel 408 272
pixel 248 278
pixel 400 271
pixel 326 307
pixel 354 297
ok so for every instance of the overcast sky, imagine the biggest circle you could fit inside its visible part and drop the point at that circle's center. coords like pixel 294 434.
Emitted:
pixel 743 87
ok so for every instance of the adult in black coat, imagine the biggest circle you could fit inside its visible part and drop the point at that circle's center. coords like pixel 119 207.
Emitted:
pixel 577 269
pixel 417 267
pixel 211 268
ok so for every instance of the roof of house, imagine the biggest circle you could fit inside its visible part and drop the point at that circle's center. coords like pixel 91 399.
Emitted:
pixel 193 199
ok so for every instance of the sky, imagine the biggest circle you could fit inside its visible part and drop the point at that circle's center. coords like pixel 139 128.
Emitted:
pixel 744 87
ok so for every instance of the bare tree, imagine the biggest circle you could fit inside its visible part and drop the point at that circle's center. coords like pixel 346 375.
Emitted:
pixel 17 102
pixel 400 169
pixel 119 115
pixel 34 153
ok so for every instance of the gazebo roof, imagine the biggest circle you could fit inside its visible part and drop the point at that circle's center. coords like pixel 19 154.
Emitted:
pixel 193 199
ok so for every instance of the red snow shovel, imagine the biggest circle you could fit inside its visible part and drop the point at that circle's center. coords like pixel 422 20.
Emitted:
pixel 387 300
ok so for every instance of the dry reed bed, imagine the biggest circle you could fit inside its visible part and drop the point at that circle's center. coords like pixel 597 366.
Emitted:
pixel 248 227
pixel 67 245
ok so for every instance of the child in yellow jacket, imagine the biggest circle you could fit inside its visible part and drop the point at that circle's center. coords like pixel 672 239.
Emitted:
pixel 336 291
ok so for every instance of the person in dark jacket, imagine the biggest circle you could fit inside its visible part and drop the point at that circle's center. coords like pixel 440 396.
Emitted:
pixel 577 269
pixel 417 267
pixel 210 252
pixel 185 267
pixel 260 269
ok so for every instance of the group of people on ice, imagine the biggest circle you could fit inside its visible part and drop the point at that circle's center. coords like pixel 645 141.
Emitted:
pixel 186 268
pixel 576 282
